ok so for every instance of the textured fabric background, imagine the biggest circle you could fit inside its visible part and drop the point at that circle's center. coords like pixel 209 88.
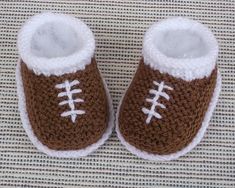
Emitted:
pixel 118 27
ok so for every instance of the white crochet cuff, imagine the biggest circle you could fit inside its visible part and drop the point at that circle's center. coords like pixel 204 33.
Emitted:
pixel 180 47
pixel 55 44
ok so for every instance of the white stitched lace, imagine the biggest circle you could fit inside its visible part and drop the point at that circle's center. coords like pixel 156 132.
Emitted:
pixel 157 93
pixel 73 113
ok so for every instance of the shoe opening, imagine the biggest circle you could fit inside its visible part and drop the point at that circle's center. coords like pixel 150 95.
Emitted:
pixel 181 44
pixel 55 44
pixel 181 47
pixel 55 39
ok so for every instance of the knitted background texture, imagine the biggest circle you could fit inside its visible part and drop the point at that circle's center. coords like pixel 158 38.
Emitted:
pixel 118 26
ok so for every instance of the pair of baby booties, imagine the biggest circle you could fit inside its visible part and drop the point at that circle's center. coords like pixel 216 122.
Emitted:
pixel 65 105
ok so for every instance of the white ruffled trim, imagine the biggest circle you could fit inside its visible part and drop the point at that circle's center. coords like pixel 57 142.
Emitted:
pixel 185 68
pixel 190 146
pixel 55 153
pixel 59 65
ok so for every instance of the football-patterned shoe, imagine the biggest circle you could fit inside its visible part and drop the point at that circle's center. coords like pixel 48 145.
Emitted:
pixel 64 103
pixel 167 107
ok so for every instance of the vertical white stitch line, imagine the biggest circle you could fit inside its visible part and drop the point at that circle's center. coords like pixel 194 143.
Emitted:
pixel 152 113
pixel 70 98
pixel 69 93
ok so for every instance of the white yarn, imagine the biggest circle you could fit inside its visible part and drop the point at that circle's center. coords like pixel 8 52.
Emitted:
pixel 189 147
pixel 157 94
pixel 55 44
pixel 180 47
pixel 69 93
pixel 43 148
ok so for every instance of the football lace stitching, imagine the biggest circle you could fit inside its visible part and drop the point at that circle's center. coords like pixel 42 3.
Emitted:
pixel 73 113
pixel 157 94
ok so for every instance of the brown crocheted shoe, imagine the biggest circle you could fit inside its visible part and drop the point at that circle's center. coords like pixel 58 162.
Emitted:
pixel 168 105
pixel 64 104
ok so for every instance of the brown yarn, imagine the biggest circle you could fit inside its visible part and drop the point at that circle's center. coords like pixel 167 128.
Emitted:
pixel 181 119
pixel 42 103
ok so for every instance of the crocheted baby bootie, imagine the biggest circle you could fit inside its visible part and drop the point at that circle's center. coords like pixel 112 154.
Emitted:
pixel 168 105
pixel 64 103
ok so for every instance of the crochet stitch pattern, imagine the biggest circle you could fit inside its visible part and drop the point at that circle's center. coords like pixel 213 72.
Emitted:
pixel 69 93
pixel 158 93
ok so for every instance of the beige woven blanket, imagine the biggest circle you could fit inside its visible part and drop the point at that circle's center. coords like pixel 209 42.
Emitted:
pixel 118 26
